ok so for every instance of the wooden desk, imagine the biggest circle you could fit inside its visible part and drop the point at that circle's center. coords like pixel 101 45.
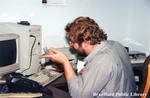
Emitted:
pixel 13 95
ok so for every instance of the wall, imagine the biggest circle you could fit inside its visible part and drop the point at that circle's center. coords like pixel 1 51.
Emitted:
pixel 116 17
pixel 138 25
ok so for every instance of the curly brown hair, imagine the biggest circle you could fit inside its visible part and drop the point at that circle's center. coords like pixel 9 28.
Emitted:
pixel 85 29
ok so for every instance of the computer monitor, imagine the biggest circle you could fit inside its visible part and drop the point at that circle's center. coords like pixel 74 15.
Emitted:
pixel 9 53
pixel 30 45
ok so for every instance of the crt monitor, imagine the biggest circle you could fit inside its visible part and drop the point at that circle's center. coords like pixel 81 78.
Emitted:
pixel 9 53
pixel 30 45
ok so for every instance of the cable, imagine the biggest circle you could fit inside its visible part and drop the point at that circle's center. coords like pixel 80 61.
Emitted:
pixel 31 53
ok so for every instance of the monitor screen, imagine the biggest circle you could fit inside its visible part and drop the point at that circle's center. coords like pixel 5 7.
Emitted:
pixel 7 52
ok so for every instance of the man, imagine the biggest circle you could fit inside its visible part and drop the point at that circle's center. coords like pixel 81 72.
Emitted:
pixel 107 71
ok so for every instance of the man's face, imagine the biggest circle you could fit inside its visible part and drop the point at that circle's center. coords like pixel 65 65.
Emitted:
pixel 78 48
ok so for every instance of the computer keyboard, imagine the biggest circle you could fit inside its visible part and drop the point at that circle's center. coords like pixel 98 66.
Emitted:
pixel 45 76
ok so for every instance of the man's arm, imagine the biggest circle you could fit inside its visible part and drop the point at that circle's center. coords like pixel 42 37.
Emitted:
pixel 59 57
pixel 68 69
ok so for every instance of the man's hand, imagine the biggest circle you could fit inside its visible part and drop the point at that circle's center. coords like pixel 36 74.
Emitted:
pixel 59 57
pixel 56 56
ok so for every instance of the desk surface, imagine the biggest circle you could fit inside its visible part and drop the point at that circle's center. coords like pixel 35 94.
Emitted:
pixel 23 95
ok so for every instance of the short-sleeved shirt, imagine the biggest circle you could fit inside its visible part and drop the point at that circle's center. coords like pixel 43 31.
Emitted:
pixel 107 74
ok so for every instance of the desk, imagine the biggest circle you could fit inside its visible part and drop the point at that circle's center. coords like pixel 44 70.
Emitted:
pixel 20 95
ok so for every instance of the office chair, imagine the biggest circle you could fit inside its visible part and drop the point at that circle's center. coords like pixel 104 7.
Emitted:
pixel 145 87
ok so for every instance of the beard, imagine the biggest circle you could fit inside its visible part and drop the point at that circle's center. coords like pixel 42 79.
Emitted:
pixel 82 54
pixel 79 52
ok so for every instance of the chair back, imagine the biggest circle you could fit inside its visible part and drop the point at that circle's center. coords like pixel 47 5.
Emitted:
pixel 145 87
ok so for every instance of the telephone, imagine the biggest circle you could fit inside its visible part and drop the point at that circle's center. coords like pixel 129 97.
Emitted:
pixel 17 83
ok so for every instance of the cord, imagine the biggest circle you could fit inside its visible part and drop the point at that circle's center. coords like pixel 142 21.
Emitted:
pixel 31 53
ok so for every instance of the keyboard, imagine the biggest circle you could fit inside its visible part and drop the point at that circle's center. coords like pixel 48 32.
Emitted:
pixel 45 76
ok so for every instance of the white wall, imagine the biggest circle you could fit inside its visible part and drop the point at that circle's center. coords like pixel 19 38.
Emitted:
pixel 139 25
pixel 116 17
